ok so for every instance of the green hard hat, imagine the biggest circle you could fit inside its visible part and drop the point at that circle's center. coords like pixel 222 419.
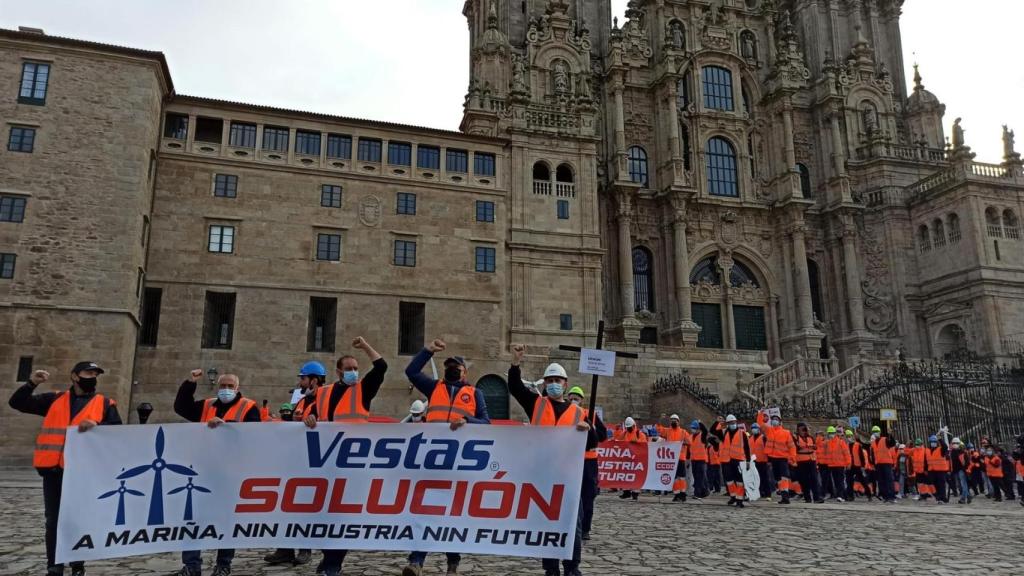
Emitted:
pixel 876 429
pixel 918 442
pixel 577 391
pixel 286 407
pixel 830 430
pixel 849 432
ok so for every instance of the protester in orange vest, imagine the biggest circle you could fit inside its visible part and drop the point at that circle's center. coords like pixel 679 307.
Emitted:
pixel 781 451
pixel 1018 457
pixel 735 453
pixel 553 409
pixel 589 489
pixel 920 470
pixel 265 411
pixel 806 453
pixel 674 432
pixel 451 399
pixel 715 463
pixel 838 459
pixel 759 449
pixel 884 460
pixel 312 377
pixel 287 555
pixel 937 460
pixel 994 471
pixel 698 455
pixel 856 481
pixel 228 406
pixel 630 432
pixel 79 406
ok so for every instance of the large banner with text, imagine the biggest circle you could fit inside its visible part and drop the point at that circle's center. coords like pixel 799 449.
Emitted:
pixel 637 465
pixel 132 490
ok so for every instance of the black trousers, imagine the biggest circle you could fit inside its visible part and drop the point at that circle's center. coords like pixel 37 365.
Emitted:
pixel 762 473
pixel 938 481
pixel 807 475
pixel 589 493
pixel 883 478
pixel 333 559
pixel 699 468
pixel 551 564
pixel 52 480
pixel 838 481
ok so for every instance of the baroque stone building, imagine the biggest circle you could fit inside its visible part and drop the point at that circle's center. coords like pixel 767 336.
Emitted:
pixel 747 191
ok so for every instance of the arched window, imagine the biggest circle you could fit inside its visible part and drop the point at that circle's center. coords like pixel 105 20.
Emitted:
pixel 717 82
pixel 495 393
pixel 995 229
pixel 564 174
pixel 1011 226
pixel 564 182
pixel 953 228
pixel 805 181
pixel 924 242
pixel 721 168
pixel 706 271
pixel 741 275
pixel 541 178
pixel 684 91
pixel 643 279
pixel 638 165
pixel 938 233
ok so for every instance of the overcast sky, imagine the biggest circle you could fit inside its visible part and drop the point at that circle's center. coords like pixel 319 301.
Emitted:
pixel 406 60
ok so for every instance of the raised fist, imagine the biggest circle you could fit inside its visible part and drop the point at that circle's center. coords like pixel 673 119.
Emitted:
pixel 517 353
pixel 437 345
pixel 39 377
pixel 195 375
pixel 359 343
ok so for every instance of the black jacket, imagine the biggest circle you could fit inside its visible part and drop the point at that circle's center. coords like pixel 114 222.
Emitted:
pixel 186 406
pixel 23 400
pixel 528 399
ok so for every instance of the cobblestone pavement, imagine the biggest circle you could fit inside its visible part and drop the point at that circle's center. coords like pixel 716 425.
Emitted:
pixel 653 537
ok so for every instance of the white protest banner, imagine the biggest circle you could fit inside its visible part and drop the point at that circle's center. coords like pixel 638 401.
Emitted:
pixel 600 362
pixel 483 489
pixel 775 412
pixel 637 465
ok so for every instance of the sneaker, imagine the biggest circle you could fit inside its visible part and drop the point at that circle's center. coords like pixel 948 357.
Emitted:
pixel 412 570
pixel 586 535
pixel 819 501
pixel 453 570
pixel 917 497
pixel 186 572
pixel 80 571
pixel 280 556
pixel 682 496
pixel 624 495
pixel 840 500
pixel 732 500
pixel 222 571
pixel 303 557
pixel 785 500
pixel 739 504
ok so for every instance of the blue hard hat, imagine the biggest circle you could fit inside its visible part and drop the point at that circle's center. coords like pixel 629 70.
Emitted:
pixel 695 424
pixel 755 426
pixel 933 438
pixel 312 368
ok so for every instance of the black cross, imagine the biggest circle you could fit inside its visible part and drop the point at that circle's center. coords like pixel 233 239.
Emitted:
pixel 593 382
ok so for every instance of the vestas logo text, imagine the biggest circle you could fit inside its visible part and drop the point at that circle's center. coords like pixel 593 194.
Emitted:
pixel 410 453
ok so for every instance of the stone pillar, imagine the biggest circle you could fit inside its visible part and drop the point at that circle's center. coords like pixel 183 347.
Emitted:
pixel 854 300
pixel 838 152
pixel 990 313
pixel 631 327
pixel 787 134
pixel 803 284
pixel 728 325
pixel 688 329
pixel 620 132
pixel 792 323
pixel 678 174
pixel 837 273
pixel 772 318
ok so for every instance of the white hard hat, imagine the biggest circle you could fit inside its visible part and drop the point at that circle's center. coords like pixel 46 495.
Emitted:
pixel 730 418
pixel 418 407
pixel 956 441
pixel 630 421
pixel 555 370
pixel 674 417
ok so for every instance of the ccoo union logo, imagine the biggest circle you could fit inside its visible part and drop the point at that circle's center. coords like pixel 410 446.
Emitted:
pixel 156 469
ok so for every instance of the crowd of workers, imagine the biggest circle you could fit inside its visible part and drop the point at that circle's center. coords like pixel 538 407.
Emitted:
pixel 835 463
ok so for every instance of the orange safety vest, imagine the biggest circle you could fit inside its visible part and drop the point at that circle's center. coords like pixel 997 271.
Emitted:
pixel 302 409
pixel 856 455
pixel 234 414
pixel 758 447
pixel 804 449
pixel 732 446
pixel 780 442
pixel 993 467
pixel 671 434
pixel 49 451
pixel 698 449
pixel 714 454
pixel 350 408
pixel 936 461
pixel 442 408
pixel 544 414
pixel 836 453
pixel 917 458
pixel 881 452
pixel 635 436
pixel 1020 469
pixel 819 451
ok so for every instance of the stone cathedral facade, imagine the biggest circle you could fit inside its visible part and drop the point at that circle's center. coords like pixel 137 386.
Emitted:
pixel 749 192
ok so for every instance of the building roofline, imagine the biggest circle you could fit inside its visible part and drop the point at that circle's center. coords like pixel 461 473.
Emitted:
pixel 38 38
pixel 189 99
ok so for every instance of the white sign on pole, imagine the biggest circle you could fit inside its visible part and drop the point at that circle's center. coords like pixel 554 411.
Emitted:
pixel 600 362
pixel 888 414
pixel 775 412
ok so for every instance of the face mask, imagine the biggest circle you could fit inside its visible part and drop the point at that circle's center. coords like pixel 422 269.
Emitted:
pixel 675 424
pixel 286 416
pixel 88 385
pixel 452 374
pixel 226 395
pixel 989 453
pixel 350 377
pixel 830 436
pixel 756 432
pixel 554 389
pixel 874 436
pixel 630 429
pixel 849 439
pixel 933 444
pixel 416 417
pixel 732 426
pixel 776 422
pixel 576 401
pixel 311 391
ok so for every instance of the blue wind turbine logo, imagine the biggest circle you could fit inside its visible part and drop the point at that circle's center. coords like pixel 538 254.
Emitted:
pixel 188 488
pixel 157 467
pixel 120 492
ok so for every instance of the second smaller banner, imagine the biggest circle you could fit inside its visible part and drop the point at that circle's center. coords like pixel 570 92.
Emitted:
pixel 637 465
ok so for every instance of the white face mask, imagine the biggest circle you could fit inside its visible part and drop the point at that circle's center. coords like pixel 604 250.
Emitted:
pixel 226 395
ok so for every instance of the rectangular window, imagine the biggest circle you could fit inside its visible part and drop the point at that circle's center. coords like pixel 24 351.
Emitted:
pixel 24 369
pixel 219 320
pixel 428 157
pixel 307 143
pixel 225 186
pixel 406 203
pixel 410 327
pixel 399 154
pixel 563 209
pixel 717 82
pixel 485 259
pixel 275 139
pixel 484 211
pixel 7 266
pixel 405 253
pixel 565 322
pixel 176 126
pixel 222 239
pixel 209 130
pixel 483 164
pixel 151 299
pixel 35 77
pixel 330 196
pixel 749 324
pixel 339 146
pixel 457 161
pixel 22 139
pixel 328 247
pixel 709 318
pixel 369 150
pixel 242 135
pixel 323 313
pixel 12 209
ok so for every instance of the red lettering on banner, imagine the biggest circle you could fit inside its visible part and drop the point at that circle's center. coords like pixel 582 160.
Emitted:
pixel 459 500
pixel 373 506
pixel 551 509
pixel 506 491
pixel 418 507
pixel 268 497
pixel 339 507
pixel 319 486
pixel 622 465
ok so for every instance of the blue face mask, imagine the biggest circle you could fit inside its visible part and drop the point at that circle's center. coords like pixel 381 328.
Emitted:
pixel 350 377
pixel 226 395
pixel 933 444
pixel 554 389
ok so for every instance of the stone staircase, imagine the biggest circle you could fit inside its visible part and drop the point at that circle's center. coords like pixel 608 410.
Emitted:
pixel 794 378
pixel 846 383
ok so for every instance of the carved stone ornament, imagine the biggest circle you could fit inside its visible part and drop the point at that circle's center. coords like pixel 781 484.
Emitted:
pixel 370 211
pixel 879 309
pixel 729 229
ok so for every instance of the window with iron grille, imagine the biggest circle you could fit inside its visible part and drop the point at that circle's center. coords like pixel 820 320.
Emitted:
pixel 176 126
pixel 399 153
pixel 330 196
pixel 411 316
pixel 485 259
pixel 428 157
pixel 717 88
pixel 35 78
pixel 750 330
pixel 643 279
pixel 225 185
pixel 219 320
pixel 24 369
pixel 275 139
pixel 307 143
pixel 369 150
pixel 484 211
pixel 563 209
pixel 483 164
pixel 328 247
pixel 457 161
pixel 151 299
pixel 12 209
pixel 405 253
pixel 339 146
pixel 21 139
pixel 709 318
pixel 323 313
pixel 565 322
pixel 242 135
pixel 222 239
pixel 406 204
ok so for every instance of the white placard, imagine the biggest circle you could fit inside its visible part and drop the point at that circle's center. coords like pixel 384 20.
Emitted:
pixel 775 412
pixel 600 362
pixel 887 414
